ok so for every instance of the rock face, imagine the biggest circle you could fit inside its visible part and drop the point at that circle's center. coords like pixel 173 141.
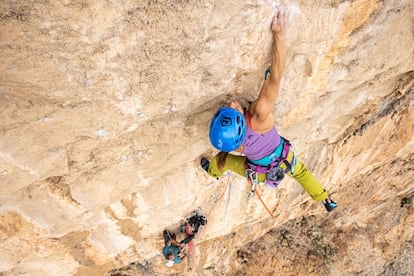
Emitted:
pixel 104 114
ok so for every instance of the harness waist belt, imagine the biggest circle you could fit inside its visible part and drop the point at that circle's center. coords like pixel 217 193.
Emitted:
pixel 278 153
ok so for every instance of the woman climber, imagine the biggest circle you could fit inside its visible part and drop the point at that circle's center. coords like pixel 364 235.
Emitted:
pixel 267 156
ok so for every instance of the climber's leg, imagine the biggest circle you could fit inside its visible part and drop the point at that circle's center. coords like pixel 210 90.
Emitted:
pixel 307 180
pixel 188 239
pixel 234 163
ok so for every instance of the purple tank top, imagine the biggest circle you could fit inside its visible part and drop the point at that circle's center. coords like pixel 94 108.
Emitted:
pixel 259 145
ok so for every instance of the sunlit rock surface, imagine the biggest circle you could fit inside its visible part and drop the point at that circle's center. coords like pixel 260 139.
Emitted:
pixel 104 114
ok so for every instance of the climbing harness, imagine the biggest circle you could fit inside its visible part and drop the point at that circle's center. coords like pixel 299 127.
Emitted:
pixel 270 164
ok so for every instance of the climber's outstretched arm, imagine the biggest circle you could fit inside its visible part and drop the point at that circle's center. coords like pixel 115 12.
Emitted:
pixel 261 109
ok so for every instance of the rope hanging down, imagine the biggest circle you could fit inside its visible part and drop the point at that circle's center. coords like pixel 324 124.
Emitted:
pixel 215 203
pixel 221 196
pixel 254 190
pixel 258 195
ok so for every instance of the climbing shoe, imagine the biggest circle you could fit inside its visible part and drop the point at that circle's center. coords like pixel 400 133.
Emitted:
pixel 267 73
pixel 204 163
pixel 329 204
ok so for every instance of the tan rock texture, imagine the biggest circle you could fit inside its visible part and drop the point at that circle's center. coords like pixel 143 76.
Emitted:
pixel 104 115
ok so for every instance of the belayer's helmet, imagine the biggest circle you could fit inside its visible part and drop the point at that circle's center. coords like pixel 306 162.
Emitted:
pixel 227 129
pixel 169 263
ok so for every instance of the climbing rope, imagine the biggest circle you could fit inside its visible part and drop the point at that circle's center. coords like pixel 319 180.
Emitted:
pixel 258 195
pixel 215 203
pixel 190 250
pixel 253 190
pixel 221 196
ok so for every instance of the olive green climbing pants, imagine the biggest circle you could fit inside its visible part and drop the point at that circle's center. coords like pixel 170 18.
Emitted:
pixel 301 174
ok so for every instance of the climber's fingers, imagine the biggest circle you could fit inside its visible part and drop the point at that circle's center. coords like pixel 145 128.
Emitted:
pixel 280 21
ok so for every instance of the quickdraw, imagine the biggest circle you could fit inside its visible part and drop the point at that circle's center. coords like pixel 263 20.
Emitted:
pixel 252 178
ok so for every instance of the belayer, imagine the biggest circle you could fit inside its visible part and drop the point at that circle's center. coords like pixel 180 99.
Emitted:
pixel 173 250
pixel 267 156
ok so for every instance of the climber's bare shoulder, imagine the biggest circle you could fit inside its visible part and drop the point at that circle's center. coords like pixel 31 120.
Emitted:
pixel 261 120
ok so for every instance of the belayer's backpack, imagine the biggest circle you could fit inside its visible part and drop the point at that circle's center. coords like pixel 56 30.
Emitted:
pixel 197 221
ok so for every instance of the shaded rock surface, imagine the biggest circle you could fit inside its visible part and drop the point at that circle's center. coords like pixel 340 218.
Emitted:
pixel 104 114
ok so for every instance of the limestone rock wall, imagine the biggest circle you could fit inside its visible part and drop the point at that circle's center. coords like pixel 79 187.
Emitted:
pixel 104 113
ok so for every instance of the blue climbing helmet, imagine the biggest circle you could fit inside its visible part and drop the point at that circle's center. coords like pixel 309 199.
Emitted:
pixel 227 129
